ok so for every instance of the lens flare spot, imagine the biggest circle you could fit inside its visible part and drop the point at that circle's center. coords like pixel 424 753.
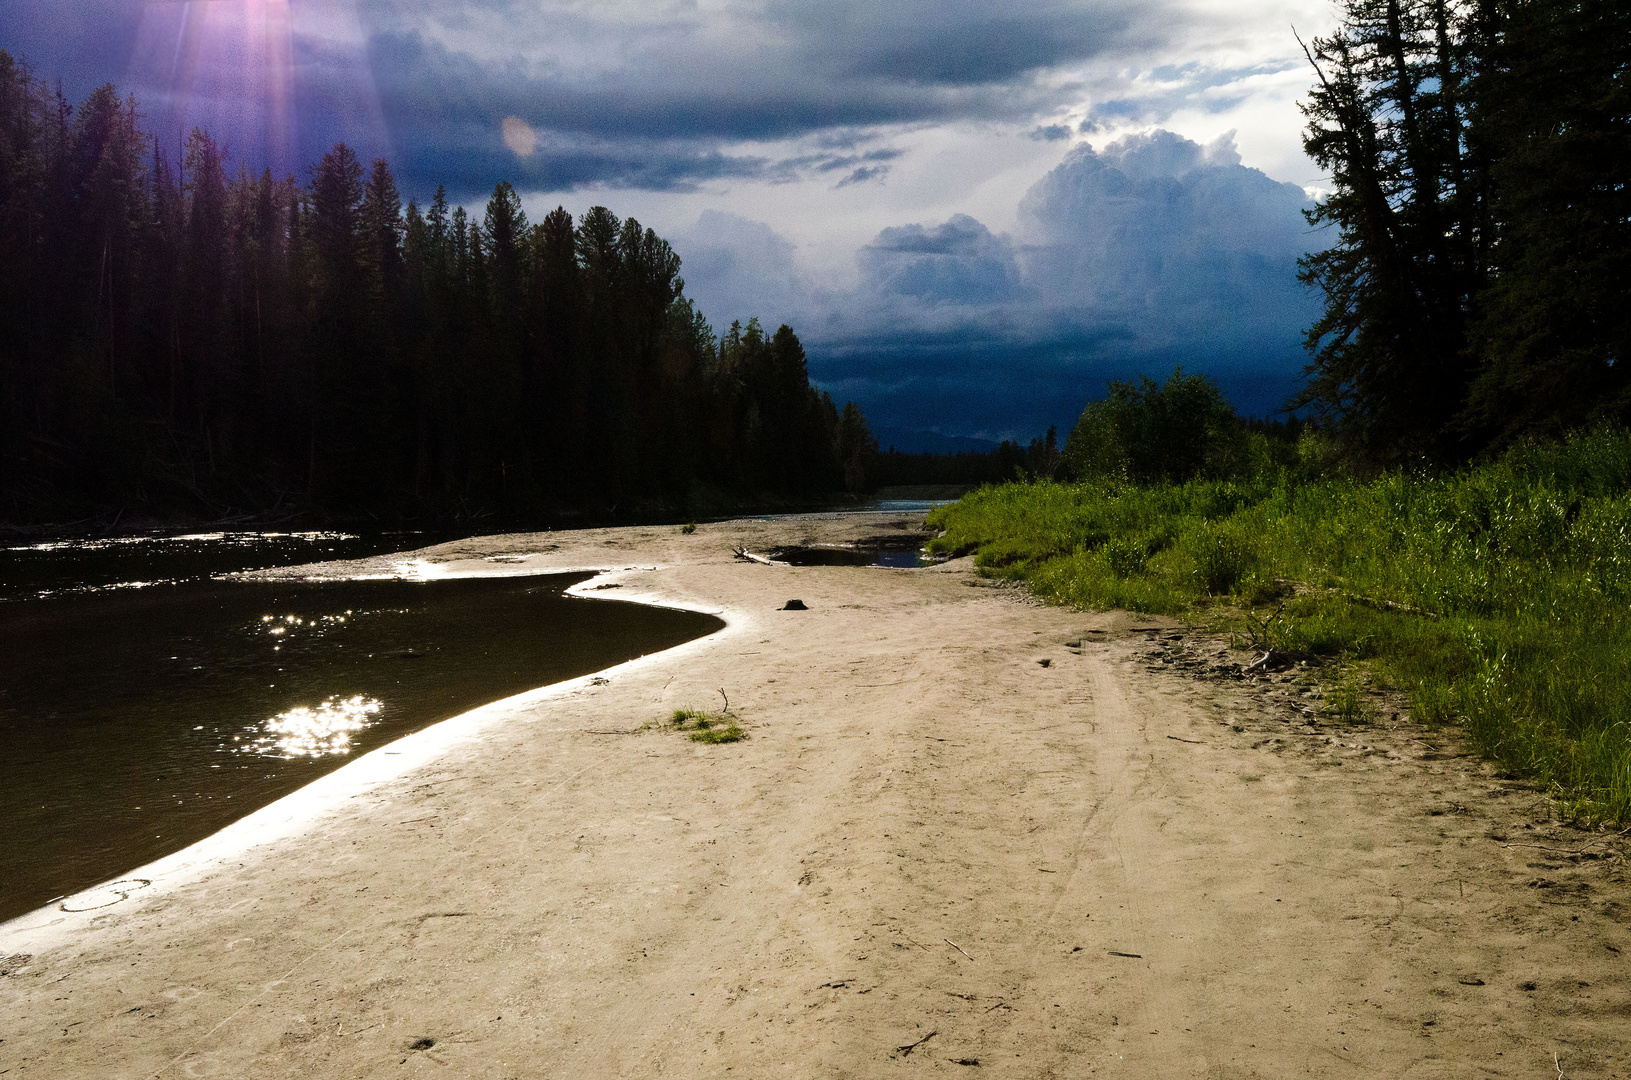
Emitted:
pixel 519 136
pixel 315 732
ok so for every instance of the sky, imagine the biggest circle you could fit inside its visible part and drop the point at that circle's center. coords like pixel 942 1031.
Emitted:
pixel 974 214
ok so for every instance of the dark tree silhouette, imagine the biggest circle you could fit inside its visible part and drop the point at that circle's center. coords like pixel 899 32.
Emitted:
pixel 178 340
pixel 1475 294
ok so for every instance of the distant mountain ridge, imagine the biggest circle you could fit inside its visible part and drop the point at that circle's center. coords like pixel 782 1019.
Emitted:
pixel 931 442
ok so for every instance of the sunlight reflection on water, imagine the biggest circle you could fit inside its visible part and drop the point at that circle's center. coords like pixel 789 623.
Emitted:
pixel 225 539
pixel 277 626
pixel 308 732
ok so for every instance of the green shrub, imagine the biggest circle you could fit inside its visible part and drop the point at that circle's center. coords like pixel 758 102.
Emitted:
pixel 1174 431
pixel 1223 557
pixel 1125 557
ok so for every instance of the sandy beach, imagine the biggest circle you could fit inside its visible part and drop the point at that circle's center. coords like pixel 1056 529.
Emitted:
pixel 967 834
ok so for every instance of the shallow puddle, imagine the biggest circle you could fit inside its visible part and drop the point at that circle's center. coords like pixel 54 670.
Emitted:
pixel 899 552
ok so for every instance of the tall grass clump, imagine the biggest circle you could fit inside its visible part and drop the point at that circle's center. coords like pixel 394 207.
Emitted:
pixel 1495 596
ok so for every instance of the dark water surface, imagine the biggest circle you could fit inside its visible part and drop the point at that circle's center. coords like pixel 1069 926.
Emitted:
pixel 55 567
pixel 900 550
pixel 136 721
pixel 835 556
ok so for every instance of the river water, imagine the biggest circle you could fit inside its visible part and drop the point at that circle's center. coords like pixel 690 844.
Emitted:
pixel 145 702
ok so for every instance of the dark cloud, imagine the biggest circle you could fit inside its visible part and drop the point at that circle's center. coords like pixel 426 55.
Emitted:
pixel 444 111
pixel 831 164
pixel 1167 89
pixel 670 104
pixel 1153 252
pixel 1051 133
pixel 862 175
pixel 948 42
pixel 675 86
pixel 871 165
pixel 647 97
pixel 958 262
pixel 1125 109
pixel 655 96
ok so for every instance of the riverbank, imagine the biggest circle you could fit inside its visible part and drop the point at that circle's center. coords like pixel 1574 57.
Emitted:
pixel 933 849
pixel 1492 598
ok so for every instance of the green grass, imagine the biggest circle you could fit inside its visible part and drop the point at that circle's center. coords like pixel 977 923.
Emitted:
pixel 1345 697
pixel 1495 597
pixel 705 727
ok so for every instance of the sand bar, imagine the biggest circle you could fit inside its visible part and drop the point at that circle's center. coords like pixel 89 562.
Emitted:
pixel 933 851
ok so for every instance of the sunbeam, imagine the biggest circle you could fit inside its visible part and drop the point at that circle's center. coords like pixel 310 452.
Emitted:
pixel 275 81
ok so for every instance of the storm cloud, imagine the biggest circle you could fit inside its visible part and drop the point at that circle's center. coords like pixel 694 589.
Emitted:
pixel 652 96
pixel 1151 252
pixel 670 101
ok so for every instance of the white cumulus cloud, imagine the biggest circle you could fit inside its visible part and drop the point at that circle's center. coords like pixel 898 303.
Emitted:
pixel 1152 251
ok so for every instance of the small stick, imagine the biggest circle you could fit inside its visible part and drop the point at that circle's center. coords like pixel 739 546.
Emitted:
pixel 595 731
pixel 909 1047
pixel 956 946
pixel 722 694
pixel 1175 738
pixel 1128 955
pixel 1567 853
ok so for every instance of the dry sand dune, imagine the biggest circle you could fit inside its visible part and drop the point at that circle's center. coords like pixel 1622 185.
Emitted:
pixel 934 853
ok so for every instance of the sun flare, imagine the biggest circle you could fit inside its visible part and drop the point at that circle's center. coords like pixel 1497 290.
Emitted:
pixel 236 68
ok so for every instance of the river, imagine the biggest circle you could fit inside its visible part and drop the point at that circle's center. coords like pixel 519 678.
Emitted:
pixel 146 701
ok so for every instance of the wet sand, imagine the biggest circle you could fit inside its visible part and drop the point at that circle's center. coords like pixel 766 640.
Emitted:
pixel 932 850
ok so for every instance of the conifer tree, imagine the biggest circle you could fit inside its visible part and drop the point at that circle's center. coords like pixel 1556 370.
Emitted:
pixel 1553 116
pixel 1389 363
pixel 179 336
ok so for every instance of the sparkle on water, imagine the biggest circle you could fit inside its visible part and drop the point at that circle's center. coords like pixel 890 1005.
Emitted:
pixel 315 732
pixel 228 539
pixel 278 625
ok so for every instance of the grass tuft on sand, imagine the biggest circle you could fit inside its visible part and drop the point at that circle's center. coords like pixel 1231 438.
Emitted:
pixel 706 727
pixel 1495 597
